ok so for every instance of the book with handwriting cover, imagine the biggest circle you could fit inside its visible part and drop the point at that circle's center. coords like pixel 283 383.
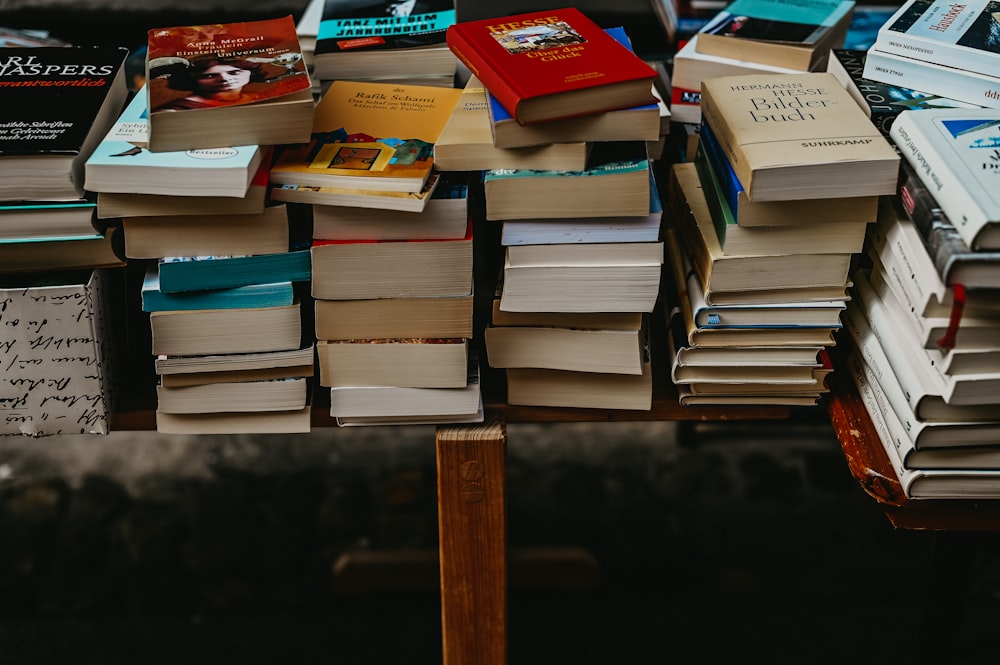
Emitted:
pixel 552 64
pixel 56 103
pixel 55 330
pixel 226 84
pixel 788 33
pixel 370 135
pixel 798 136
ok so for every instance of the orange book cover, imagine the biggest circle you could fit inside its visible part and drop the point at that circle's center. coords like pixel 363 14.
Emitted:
pixel 552 64
pixel 370 135
pixel 223 64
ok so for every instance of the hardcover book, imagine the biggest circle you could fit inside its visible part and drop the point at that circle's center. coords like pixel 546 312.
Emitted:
pixel 552 64
pixel 55 330
pixel 954 151
pixel 466 142
pixel 788 33
pixel 122 163
pixel 956 264
pixel 380 40
pixel 637 123
pixel 56 103
pixel 798 136
pixel 226 84
pixel 974 88
pixel 960 35
pixel 882 101
pixel 370 135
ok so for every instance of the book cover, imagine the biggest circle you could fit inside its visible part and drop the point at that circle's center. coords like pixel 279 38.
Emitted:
pixel 961 35
pixel 615 182
pixel 882 101
pixel 790 33
pixel 974 88
pixel 270 294
pixel 956 264
pixel 55 336
pixel 123 163
pixel 178 274
pixel 551 64
pixel 346 26
pixel 847 237
pixel 955 153
pixel 638 123
pixel 370 135
pixel 798 136
pixel 55 103
pixel 205 77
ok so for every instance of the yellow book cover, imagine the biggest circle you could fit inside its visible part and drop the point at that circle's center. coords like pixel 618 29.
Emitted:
pixel 370 135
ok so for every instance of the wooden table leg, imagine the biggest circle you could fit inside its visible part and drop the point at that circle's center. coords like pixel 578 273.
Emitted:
pixel 472 536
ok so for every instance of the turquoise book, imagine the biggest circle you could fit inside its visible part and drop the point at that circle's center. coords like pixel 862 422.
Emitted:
pixel 178 274
pixel 273 294
pixel 122 163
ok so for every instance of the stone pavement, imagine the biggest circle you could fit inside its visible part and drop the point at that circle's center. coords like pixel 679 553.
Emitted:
pixel 751 543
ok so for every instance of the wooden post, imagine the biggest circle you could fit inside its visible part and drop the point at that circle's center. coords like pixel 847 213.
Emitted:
pixel 472 536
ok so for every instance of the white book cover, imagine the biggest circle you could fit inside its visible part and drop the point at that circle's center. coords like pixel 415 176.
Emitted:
pixel 955 34
pixel 932 78
pixel 954 152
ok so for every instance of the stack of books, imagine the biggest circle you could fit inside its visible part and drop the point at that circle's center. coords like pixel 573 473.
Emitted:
pixel 582 252
pixel 757 37
pixel 925 316
pixel 394 42
pixel 769 217
pixel 59 273
pixel 940 48
pixel 186 169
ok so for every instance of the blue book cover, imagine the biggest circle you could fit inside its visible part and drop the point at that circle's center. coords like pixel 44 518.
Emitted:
pixel 122 162
pixel 729 184
pixel 195 273
pixel 499 114
pixel 272 294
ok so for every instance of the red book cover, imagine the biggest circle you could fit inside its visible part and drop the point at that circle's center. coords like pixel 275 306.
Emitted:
pixel 191 67
pixel 552 64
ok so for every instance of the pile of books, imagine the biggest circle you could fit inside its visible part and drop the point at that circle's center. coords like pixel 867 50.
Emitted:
pixel 765 225
pixel 756 37
pixel 925 316
pixel 59 272
pixel 185 168
pixel 582 253
pixel 940 48
pixel 391 254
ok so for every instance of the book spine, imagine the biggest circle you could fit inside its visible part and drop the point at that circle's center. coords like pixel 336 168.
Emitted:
pixel 960 84
pixel 932 168
pixel 943 242
pixel 725 138
pixel 480 64
pixel 881 413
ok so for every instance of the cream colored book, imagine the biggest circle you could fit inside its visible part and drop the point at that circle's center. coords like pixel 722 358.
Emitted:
pixel 798 136
pixel 403 363
pixel 574 349
pixel 385 318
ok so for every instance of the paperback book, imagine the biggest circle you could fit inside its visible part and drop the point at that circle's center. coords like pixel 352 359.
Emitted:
pixel 26 221
pixel 369 135
pixel 226 84
pixel 56 103
pixel 399 363
pixel 973 88
pixel 270 294
pixel 180 274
